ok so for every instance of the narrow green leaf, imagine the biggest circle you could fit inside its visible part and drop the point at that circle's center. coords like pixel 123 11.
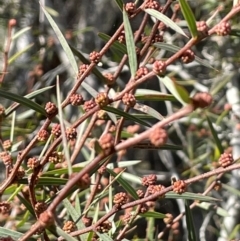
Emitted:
pixel 61 171
pixel 178 91
pixel 234 232
pixel 6 232
pixel 174 49
pixel 15 56
pixel 10 189
pixel 189 17
pixel 125 115
pixel 15 192
pixel 231 189
pixel 221 83
pixel 131 178
pixel 113 117
pixel 52 181
pixel 190 196
pixel 116 45
pixel 127 187
pixel 51 11
pixel 65 235
pixel 123 164
pixel 150 228
pixel 89 89
pixel 215 136
pixel 75 214
pixel 37 92
pixel 62 125
pixel 132 57
pixel 19 33
pixel 141 116
pixel 80 166
pixel 151 214
pixel 120 4
pixel 43 181
pixel 26 204
pixel 148 110
pixel 78 205
pixel 71 210
pixel 190 224
pixel 149 146
pixel 209 206
pixel 166 20
pixel 90 236
pixel 23 220
pixel 23 101
pixel 62 41
pixel 125 134
pixel 149 95
pixel 28 96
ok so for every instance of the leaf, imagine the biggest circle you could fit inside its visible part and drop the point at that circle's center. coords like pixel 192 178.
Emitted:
pixel 62 41
pixel 190 224
pixel 174 49
pixel 234 232
pixel 189 17
pixel 28 96
pixel 125 115
pixel 231 189
pixel 65 235
pixel 75 216
pixel 37 92
pixel 148 110
pixel 15 192
pixel 167 21
pixel 152 214
pixel 52 181
pixel 120 4
pixel 154 97
pixel 148 145
pixel 178 91
pixel 123 164
pixel 132 57
pixel 127 187
pixel 44 181
pixel 23 101
pixel 116 45
pixel 190 196
pixel 26 204
pixel 124 134
pixel 209 206
pixel 71 210
pixel 62 125
pixel 6 233
pixel 215 136
pixel 15 56
pixel 61 171
pixel 80 166
pixel 19 33
pixel 131 178
pixel 221 84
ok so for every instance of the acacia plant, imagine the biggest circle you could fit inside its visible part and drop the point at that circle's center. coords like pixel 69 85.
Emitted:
pixel 67 144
